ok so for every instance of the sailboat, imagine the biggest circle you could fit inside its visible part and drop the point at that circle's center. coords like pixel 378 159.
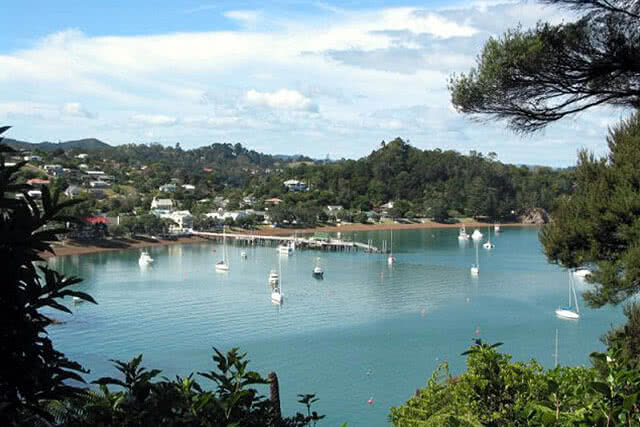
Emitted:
pixel 223 265
pixel 488 244
pixel 567 311
pixel 318 272
pixel 463 234
pixel 391 259
pixel 475 268
pixel 476 235
pixel 145 259
pixel 496 227
pixel 276 291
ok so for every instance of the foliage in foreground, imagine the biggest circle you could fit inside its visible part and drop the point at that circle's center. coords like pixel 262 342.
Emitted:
pixel 142 401
pixel 497 392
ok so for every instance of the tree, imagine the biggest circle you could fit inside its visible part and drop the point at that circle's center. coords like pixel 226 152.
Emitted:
pixel 533 77
pixel 600 223
pixel 32 370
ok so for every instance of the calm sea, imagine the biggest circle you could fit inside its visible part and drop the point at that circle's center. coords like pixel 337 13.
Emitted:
pixel 368 331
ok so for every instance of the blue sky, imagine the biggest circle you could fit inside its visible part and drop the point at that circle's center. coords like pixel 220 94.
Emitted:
pixel 280 77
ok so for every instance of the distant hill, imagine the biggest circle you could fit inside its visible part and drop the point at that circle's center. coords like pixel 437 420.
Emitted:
pixel 87 144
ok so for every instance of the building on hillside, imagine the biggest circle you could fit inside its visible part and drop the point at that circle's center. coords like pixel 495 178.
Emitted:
pixel 295 185
pixel 95 174
pixel 162 204
pixel 273 201
pixel 189 188
pixel 83 166
pixel 92 227
pixel 55 170
pixel 35 194
pixel 388 205
pixel 97 193
pixel 72 191
pixel 168 188
pixel 38 181
pixel 99 184
pixel 249 200
pixel 82 156
pixel 334 208
pixel 221 215
pixel 32 158
pixel 183 221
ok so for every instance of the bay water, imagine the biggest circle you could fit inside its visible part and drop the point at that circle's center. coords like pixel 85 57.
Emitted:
pixel 363 339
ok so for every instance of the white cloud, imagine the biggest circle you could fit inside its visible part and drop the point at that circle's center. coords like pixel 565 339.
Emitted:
pixel 76 109
pixel 282 99
pixel 155 119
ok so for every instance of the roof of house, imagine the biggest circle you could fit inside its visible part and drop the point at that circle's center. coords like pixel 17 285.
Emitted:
pixel 34 181
pixel 95 220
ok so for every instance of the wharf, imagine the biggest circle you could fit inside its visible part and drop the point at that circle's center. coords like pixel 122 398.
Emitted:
pixel 325 244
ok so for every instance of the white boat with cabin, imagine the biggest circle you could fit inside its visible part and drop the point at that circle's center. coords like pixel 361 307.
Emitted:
pixel 476 235
pixel 463 235
pixel 285 249
pixel 317 270
pixel 145 259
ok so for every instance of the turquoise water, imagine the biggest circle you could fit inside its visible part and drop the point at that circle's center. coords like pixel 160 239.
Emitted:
pixel 367 331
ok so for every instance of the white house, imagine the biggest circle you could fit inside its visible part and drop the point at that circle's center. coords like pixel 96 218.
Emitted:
pixel 35 194
pixel 99 184
pixel 83 166
pixel 334 208
pixel 168 188
pixel 162 204
pixel 295 185
pixel 82 156
pixel 33 158
pixel 224 215
pixel 73 191
pixel 183 221
pixel 189 188
pixel 388 205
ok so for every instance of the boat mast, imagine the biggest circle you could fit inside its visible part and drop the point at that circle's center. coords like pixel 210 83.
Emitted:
pixel 556 353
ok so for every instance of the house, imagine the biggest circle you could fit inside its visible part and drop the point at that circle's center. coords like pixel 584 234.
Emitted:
pixel 55 170
pixel 83 166
pixel 334 208
pixel 189 188
pixel 38 181
pixel 82 156
pixel 97 193
pixel 168 188
pixel 183 221
pixel 92 227
pixel 388 205
pixel 235 215
pixel 274 201
pixel 99 184
pixel 32 158
pixel 162 204
pixel 73 191
pixel 221 201
pixel 295 185
pixel 249 200
pixel 95 174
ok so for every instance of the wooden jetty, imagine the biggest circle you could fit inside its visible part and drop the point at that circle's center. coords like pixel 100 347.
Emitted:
pixel 326 244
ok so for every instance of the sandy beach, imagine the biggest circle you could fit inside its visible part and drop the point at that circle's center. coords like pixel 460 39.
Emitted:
pixel 109 245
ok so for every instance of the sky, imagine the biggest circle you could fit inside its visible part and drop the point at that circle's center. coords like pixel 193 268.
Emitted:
pixel 280 77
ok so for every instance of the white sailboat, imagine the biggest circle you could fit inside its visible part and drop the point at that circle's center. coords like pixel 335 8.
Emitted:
pixel 582 272
pixel 223 265
pixel 488 244
pixel 568 312
pixel 145 259
pixel 463 235
pixel 496 227
pixel 276 292
pixel 476 235
pixel 475 268
pixel 391 259
pixel 317 270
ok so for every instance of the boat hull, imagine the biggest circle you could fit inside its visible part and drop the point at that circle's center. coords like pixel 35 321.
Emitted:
pixel 567 314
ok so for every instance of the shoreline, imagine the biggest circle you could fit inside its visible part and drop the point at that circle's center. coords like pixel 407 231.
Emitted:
pixel 113 245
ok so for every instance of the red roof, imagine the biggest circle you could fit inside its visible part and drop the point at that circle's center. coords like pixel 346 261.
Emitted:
pixel 207 170
pixel 95 220
pixel 38 181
